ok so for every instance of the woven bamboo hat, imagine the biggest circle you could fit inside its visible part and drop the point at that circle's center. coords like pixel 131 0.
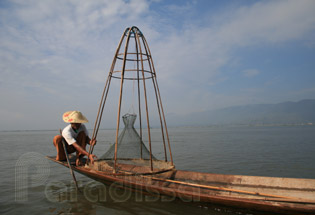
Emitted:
pixel 74 117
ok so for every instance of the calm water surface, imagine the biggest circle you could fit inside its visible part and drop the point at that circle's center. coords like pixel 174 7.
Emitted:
pixel 30 184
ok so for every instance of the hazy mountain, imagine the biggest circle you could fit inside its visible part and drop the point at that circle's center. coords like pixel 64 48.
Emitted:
pixel 282 113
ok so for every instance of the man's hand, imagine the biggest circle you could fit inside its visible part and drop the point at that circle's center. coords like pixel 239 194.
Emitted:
pixel 92 157
pixel 93 142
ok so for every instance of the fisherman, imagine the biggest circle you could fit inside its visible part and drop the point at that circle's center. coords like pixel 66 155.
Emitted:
pixel 76 136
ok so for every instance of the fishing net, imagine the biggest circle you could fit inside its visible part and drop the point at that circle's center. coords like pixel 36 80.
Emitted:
pixel 130 144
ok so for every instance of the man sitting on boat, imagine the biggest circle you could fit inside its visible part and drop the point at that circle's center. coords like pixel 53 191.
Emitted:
pixel 76 136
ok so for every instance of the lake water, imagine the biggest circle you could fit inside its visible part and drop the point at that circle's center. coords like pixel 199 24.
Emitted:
pixel 31 184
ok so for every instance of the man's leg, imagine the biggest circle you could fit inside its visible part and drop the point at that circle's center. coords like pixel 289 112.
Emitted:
pixel 60 150
pixel 81 141
pixel 59 147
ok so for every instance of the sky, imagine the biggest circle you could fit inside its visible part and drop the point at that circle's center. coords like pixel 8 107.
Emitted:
pixel 55 55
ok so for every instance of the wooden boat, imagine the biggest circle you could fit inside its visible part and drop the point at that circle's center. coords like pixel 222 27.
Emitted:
pixel 147 175
pixel 272 194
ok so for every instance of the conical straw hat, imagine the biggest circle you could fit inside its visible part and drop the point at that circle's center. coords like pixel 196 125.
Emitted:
pixel 74 117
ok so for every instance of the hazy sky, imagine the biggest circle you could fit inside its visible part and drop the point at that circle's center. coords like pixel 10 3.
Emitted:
pixel 55 55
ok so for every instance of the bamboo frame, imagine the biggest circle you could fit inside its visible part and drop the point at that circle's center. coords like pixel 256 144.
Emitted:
pixel 158 91
pixel 142 55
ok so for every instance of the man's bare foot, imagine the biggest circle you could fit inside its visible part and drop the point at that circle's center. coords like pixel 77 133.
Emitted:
pixel 78 162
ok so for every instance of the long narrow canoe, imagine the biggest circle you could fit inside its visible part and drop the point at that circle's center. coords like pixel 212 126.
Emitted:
pixel 272 194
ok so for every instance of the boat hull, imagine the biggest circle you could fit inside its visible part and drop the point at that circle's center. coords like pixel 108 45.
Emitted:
pixel 277 195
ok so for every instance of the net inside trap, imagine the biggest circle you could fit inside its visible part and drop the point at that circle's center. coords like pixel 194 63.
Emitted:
pixel 130 144
pixel 132 154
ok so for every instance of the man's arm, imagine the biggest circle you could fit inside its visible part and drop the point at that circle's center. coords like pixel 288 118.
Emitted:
pixel 88 139
pixel 82 151
pixel 91 142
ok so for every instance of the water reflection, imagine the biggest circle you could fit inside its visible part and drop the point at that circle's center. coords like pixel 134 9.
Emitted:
pixel 97 198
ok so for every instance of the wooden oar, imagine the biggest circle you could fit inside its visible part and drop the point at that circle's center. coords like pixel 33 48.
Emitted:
pixel 69 164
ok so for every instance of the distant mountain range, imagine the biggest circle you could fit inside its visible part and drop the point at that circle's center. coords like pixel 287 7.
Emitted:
pixel 301 112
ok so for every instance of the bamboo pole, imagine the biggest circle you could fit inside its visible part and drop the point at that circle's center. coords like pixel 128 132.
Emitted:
pixel 146 102
pixel 161 122
pixel 274 197
pixel 68 161
pixel 120 95
pixel 99 116
pixel 157 99
pixel 157 86
pixel 298 200
pixel 139 94
pixel 98 126
pixel 221 188
pixel 101 109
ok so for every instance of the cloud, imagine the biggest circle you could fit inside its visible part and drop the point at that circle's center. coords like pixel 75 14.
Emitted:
pixel 192 58
pixel 267 22
pixel 250 72
pixel 57 51
pixel 180 9
pixel 56 37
